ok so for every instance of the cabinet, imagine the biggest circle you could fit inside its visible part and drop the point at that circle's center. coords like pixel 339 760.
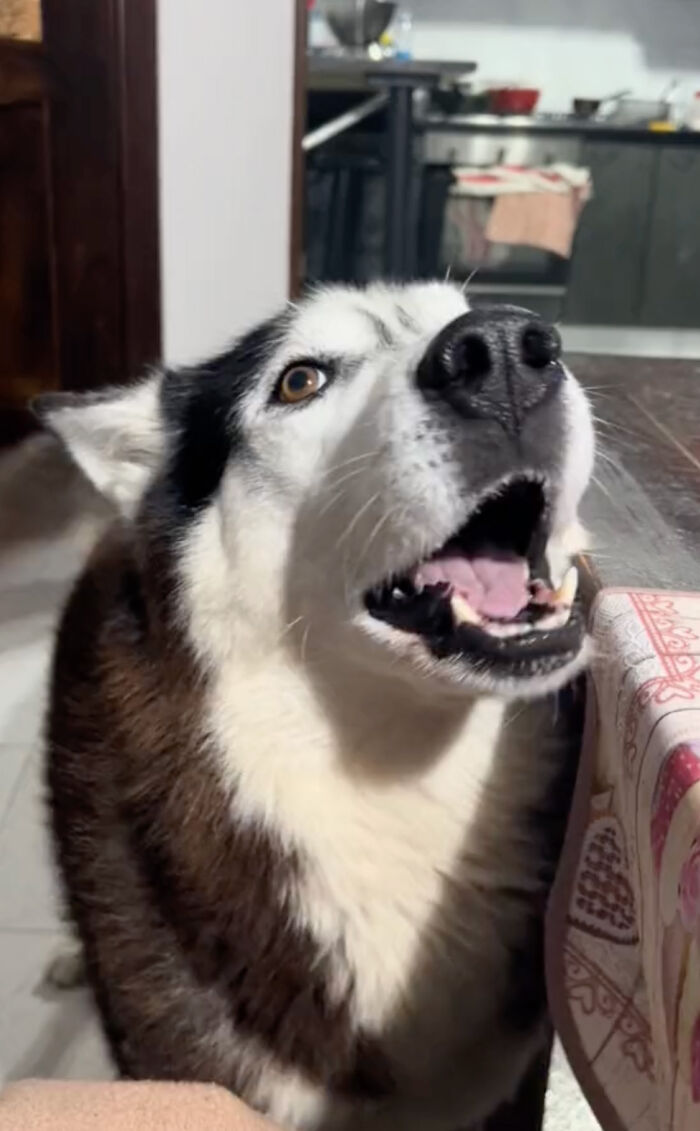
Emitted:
pixel 610 252
pixel 671 291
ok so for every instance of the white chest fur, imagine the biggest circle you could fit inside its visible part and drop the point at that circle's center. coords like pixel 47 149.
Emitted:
pixel 393 810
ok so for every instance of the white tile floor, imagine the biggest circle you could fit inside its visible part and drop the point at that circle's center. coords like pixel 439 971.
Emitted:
pixel 47 523
pixel 42 1032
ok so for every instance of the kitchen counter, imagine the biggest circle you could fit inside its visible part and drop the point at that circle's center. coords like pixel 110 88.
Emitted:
pixel 553 125
pixel 358 72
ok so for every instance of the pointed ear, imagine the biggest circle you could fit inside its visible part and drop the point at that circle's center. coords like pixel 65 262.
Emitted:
pixel 115 437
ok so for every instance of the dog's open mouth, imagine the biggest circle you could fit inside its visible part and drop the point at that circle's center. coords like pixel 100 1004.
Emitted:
pixel 486 593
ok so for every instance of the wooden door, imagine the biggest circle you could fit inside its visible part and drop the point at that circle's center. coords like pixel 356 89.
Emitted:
pixel 79 255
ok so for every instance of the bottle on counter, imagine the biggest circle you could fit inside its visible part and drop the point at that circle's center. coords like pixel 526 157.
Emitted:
pixel 692 115
pixel 319 33
pixel 404 35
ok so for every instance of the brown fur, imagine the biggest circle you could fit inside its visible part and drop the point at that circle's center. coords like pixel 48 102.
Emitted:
pixel 182 912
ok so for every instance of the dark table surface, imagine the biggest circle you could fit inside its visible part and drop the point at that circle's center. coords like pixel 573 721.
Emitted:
pixel 644 508
pixel 558 125
pixel 358 71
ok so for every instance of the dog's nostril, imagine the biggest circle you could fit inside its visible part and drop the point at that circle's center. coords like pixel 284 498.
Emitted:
pixel 471 358
pixel 540 346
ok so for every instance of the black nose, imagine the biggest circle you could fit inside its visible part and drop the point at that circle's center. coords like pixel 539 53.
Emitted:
pixel 496 362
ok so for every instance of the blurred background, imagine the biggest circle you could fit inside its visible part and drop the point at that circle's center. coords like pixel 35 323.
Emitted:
pixel 172 171
pixel 546 152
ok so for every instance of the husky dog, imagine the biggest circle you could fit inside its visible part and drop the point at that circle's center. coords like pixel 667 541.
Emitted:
pixel 305 760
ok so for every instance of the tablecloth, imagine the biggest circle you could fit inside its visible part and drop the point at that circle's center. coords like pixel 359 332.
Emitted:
pixel 623 940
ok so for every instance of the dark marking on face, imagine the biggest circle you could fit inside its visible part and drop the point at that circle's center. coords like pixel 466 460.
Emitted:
pixel 405 320
pixel 383 332
pixel 199 406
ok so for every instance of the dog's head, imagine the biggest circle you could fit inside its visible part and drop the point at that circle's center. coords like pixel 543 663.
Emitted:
pixel 383 471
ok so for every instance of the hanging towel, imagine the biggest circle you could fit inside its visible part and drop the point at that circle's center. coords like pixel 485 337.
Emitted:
pixel 538 207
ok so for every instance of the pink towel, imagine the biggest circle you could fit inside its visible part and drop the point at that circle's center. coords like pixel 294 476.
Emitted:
pixel 537 219
pixel 50 1106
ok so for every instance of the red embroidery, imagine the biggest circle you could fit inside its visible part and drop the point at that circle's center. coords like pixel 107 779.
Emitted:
pixel 672 641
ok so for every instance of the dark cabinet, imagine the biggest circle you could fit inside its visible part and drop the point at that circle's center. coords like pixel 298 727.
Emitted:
pixel 610 252
pixel 671 295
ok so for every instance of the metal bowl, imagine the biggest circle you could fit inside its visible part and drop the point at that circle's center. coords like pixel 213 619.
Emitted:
pixel 357 23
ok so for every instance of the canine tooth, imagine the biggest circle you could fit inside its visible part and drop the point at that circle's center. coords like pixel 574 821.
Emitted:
pixel 566 593
pixel 463 612
pixel 558 619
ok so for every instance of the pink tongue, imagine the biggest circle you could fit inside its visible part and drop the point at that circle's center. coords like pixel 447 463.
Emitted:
pixel 494 587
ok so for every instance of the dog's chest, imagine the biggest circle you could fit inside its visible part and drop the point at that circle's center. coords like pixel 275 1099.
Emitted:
pixel 388 858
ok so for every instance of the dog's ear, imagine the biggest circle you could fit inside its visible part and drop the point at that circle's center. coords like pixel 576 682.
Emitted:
pixel 116 437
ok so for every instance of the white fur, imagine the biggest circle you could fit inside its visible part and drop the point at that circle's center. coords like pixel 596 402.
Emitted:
pixel 375 762
pixel 117 440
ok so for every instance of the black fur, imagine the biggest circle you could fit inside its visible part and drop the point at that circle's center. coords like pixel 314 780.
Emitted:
pixel 199 405
pixel 527 994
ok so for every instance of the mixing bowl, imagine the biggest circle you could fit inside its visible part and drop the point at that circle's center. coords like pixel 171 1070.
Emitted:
pixel 357 23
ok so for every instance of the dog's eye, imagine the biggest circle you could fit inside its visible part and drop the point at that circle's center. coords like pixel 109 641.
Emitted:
pixel 300 382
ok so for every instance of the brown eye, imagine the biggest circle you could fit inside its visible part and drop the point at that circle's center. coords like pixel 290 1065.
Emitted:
pixel 299 383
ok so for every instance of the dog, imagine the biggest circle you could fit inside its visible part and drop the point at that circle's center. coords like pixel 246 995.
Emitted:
pixel 307 763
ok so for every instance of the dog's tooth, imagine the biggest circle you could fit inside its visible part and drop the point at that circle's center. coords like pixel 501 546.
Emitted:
pixel 558 619
pixel 566 593
pixel 506 631
pixel 463 612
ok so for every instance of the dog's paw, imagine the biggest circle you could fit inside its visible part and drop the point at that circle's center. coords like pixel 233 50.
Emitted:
pixel 67 971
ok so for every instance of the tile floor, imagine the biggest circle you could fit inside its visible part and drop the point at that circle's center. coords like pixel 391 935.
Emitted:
pixel 42 543
pixel 48 521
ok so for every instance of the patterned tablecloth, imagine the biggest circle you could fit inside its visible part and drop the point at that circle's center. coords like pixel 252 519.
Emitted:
pixel 624 927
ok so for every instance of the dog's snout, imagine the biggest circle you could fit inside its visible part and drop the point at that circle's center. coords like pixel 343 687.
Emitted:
pixel 497 362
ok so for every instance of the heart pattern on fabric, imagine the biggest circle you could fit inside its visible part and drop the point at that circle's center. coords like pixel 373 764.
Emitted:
pixel 603 901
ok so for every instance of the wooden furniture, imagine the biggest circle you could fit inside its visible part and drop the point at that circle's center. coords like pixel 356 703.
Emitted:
pixel 79 254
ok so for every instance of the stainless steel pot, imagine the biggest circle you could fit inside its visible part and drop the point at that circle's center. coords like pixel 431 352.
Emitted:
pixel 357 23
pixel 639 111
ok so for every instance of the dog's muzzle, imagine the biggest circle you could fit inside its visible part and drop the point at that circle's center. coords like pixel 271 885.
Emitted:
pixel 496 363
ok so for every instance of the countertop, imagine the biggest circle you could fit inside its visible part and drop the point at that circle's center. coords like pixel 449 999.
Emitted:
pixel 554 125
pixel 359 72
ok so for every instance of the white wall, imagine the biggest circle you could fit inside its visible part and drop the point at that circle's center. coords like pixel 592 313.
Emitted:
pixel 567 47
pixel 225 90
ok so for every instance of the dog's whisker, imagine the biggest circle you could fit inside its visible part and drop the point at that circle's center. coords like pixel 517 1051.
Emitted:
pixel 354 459
pixel 288 628
pixel 613 426
pixel 379 526
pixel 358 518
pixel 610 461
pixel 467 284
pixel 339 495
pixel 352 474
pixel 601 487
